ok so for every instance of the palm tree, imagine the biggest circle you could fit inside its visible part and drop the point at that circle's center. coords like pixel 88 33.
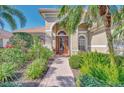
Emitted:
pixel 71 17
pixel 8 14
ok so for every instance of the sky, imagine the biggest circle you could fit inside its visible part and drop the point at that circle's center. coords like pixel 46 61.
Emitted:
pixel 34 19
pixel 31 12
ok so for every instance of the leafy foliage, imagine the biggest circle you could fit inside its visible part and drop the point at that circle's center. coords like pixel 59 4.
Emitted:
pixel 95 57
pixel 46 53
pixel 67 16
pixel 10 84
pixel 7 71
pixel 38 51
pixel 8 13
pixel 97 65
pixel 75 61
pixel 12 55
pixel 119 24
pixel 36 69
pixel 10 61
pixel 21 40
pixel 89 81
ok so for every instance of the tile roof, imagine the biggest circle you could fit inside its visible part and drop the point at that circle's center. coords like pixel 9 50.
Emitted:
pixel 5 34
pixel 32 30
pixel 48 10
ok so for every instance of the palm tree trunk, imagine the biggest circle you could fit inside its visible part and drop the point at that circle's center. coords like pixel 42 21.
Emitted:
pixel 104 11
pixel 110 44
pixel 107 24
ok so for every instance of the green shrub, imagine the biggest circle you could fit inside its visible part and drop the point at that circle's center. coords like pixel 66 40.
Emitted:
pixel 7 71
pixel 46 53
pixel 75 61
pixel 38 51
pixel 36 69
pixel 10 84
pixel 30 55
pixel 12 55
pixel 21 40
pixel 121 74
pixel 120 60
pixel 89 81
pixel 108 74
pixel 95 57
pixel 98 66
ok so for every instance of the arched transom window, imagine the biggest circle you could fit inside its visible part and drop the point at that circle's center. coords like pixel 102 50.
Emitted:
pixel 81 43
pixel 61 33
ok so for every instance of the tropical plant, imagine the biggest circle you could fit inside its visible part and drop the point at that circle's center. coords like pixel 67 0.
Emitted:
pixel 97 66
pixel 8 14
pixel 7 71
pixel 10 84
pixel 70 17
pixel 89 81
pixel 46 53
pixel 38 51
pixel 118 32
pixel 12 55
pixel 36 69
pixel 21 40
pixel 75 61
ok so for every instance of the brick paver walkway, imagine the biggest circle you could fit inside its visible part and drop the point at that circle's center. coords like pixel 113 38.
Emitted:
pixel 59 74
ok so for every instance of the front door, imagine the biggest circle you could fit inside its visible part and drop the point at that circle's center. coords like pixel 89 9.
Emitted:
pixel 62 45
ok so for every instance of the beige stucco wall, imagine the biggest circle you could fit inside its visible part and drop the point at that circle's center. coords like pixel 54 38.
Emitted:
pixel 48 25
pixel 74 43
pixel 48 36
pixel 98 42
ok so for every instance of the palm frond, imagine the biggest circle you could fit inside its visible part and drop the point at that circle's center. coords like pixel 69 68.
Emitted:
pixel 15 12
pixel 72 19
pixel 1 23
pixel 63 10
pixel 113 9
pixel 93 16
pixel 8 17
pixel 118 21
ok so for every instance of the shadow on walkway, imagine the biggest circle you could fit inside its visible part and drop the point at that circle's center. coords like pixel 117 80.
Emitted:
pixel 66 81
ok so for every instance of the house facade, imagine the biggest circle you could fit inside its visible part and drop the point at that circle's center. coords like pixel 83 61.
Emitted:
pixel 85 38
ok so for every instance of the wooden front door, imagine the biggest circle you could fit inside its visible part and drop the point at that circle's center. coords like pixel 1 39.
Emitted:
pixel 62 45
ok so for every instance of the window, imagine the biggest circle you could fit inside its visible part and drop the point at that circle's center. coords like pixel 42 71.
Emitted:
pixel 81 43
pixel 61 33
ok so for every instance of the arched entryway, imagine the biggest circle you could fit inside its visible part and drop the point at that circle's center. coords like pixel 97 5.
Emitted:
pixel 61 43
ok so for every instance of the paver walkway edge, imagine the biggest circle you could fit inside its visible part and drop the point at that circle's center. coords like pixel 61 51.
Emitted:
pixel 59 74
